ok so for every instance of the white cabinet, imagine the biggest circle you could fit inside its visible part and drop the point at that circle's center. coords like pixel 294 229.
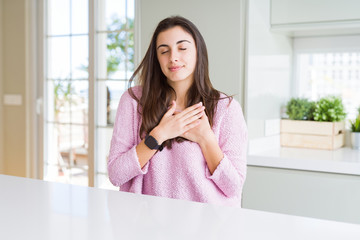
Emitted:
pixel 303 193
pixel 309 17
pixel 310 11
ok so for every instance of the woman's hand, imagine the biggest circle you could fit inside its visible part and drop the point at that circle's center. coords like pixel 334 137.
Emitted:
pixel 203 135
pixel 201 132
pixel 174 125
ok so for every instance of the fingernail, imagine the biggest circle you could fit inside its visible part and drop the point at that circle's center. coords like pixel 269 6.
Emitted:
pixel 200 104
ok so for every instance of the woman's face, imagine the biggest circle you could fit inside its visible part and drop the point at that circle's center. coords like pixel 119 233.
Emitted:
pixel 176 52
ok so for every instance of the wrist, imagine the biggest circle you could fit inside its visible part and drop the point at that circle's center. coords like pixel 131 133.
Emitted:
pixel 155 133
pixel 208 139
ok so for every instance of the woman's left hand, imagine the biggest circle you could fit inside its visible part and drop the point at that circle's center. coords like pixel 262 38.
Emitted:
pixel 203 135
pixel 201 132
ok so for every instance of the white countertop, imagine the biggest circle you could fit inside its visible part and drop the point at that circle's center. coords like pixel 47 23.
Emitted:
pixel 34 209
pixel 342 160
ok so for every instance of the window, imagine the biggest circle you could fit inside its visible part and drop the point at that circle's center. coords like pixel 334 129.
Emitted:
pixel 81 100
pixel 329 66
pixel 115 65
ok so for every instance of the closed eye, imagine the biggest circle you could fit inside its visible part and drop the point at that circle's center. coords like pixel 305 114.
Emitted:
pixel 182 49
pixel 164 52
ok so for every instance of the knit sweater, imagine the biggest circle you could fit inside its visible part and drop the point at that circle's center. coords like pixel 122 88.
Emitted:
pixel 180 172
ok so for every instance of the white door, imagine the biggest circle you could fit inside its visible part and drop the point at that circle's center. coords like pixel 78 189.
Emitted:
pixel 88 59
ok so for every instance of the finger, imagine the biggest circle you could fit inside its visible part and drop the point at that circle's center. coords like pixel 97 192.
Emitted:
pixel 189 109
pixel 191 125
pixel 172 109
pixel 204 116
pixel 193 118
pixel 195 112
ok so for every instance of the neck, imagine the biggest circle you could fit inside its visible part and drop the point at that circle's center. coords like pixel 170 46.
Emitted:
pixel 181 88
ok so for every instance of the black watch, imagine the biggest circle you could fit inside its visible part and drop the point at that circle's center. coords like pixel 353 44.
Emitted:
pixel 152 143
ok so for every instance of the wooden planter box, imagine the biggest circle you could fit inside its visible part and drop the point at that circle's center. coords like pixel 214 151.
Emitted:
pixel 312 134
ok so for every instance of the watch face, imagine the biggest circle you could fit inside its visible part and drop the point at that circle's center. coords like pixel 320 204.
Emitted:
pixel 151 142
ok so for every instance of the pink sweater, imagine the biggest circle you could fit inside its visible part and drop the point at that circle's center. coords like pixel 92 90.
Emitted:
pixel 181 172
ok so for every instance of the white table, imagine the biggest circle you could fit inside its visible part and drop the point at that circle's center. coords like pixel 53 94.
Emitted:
pixel 34 209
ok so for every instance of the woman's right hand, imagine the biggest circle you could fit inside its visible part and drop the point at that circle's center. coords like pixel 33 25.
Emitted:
pixel 173 125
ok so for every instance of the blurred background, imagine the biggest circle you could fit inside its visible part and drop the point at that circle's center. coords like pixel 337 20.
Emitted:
pixel 64 65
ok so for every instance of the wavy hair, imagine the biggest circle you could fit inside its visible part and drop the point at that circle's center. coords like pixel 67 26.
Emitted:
pixel 157 94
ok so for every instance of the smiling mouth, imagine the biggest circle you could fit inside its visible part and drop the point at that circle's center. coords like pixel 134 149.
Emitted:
pixel 174 69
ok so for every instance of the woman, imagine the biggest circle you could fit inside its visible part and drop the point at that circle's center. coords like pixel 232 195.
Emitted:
pixel 175 135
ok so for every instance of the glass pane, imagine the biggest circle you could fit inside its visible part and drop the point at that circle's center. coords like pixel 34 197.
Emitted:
pixel 331 73
pixel 80 57
pixel 58 58
pixel 80 16
pixel 56 155
pixel 104 182
pixel 58 17
pixel 111 14
pixel 104 137
pixel 116 89
pixel 130 53
pixel 50 103
pixel 115 56
pixel 79 102
pixel 66 156
pixel 79 147
pixel 59 99
pixel 108 97
pixel 131 11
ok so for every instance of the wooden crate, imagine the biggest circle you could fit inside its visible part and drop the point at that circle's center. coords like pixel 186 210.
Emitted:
pixel 312 134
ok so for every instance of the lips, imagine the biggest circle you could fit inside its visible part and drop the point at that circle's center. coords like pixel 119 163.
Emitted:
pixel 175 68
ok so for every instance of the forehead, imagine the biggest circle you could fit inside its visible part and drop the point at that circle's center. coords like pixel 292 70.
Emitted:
pixel 173 35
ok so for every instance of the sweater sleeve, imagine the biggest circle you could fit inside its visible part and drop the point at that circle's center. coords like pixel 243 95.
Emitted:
pixel 123 163
pixel 230 174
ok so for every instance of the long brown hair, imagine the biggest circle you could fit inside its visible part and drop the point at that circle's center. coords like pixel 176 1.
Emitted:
pixel 157 94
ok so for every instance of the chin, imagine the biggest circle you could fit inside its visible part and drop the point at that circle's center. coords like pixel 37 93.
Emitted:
pixel 178 78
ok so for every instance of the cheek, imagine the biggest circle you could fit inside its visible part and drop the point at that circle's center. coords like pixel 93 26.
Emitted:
pixel 162 62
pixel 192 60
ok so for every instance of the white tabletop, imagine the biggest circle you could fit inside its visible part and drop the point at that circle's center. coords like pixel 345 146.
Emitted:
pixel 342 160
pixel 34 209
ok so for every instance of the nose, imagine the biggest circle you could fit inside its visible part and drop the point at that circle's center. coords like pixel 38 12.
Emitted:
pixel 174 57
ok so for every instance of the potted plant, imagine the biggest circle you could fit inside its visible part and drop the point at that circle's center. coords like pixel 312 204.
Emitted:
pixel 355 131
pixel 314 124
pixel 300 109
pixel 329 109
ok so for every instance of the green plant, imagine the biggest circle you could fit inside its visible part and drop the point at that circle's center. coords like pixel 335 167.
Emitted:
pixel 355 125
pixel 300 109
pixel 119 51
pixel 62 95
pixel 120 45
pixel 329 109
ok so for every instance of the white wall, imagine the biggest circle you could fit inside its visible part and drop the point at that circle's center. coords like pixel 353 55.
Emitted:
pixel 268 70
pixel 220 22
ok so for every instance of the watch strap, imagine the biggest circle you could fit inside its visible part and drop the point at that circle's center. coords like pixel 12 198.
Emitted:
pixel 152 143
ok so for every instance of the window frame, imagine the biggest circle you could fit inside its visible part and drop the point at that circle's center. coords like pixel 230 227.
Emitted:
pixel 40 134
pixel 320 44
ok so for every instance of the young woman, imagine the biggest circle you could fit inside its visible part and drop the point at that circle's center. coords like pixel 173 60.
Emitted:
pixel 175 135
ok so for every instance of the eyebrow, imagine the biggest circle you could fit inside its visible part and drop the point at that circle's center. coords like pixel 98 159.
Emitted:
pixel 178 42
